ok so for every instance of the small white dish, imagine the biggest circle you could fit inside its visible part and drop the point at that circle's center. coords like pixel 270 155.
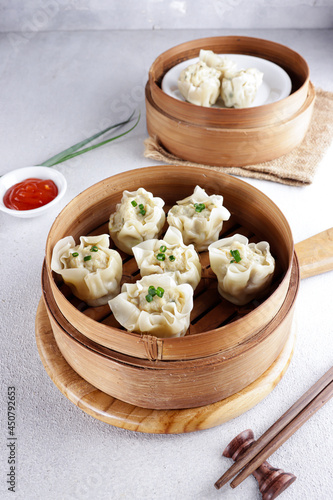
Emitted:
pixel 8 180
pixel 276 84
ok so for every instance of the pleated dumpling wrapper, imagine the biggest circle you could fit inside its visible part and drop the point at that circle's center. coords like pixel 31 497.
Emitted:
pixel 199 218
pixel 244 270
pixel 154 305
pixel 240 89
pixel 224 64
pixel 199 84
pixel 139 217
pixel 91 269
pixel 169 255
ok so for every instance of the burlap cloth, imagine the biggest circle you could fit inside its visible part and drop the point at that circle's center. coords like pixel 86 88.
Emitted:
pixel 296 168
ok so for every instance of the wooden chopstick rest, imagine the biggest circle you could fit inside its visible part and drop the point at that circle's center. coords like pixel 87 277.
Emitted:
pixel 280 431
pixel 272 481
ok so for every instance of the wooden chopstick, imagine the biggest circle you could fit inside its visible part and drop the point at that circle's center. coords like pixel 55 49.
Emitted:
pixel 291 420
pixel 288 431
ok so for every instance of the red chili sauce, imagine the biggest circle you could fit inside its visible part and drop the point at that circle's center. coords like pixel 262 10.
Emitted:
pixel 30 193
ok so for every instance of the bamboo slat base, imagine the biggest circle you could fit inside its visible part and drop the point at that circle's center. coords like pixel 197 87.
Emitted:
pixel 115 412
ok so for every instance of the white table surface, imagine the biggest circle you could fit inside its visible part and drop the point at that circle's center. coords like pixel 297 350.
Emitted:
pixel 57 88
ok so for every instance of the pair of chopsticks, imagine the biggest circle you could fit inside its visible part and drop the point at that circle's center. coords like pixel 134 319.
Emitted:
pixel 280 431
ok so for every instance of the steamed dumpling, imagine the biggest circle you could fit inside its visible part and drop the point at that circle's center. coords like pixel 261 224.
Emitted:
pixel 91 269
pixel 154 305
pixel 244 270
pixel 199 84
pixel 199 218
pixel 139 217
pixel 169 255
pixel 239 90
pixel 222 63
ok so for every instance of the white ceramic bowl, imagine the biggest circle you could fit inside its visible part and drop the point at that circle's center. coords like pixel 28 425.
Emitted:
pixel 15 176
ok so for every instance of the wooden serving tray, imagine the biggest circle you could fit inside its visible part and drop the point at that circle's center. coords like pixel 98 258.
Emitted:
pixel 126 416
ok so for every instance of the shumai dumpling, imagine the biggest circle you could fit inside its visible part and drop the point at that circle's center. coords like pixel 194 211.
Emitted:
pixel 169 255
pixel 239 90
pixel 154 305
pixel 91 269
pixel 199 84
pixel 244 270
pixel 199 218
pixel 139 217
pixel 222 63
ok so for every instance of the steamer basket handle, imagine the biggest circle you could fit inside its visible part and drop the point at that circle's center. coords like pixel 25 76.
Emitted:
pixel 315 254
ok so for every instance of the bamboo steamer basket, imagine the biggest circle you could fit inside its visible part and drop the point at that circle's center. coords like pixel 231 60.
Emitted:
pixel 228 147
pixel 226 347
pixel 216 325
pixel 292 62
pixel 226 136
pixel 173 384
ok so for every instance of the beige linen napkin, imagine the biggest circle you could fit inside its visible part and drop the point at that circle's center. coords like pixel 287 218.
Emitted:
pixel 296 168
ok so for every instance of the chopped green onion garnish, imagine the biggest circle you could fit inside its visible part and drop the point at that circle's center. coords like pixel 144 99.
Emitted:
pixel 94 249
pixel 163 248
pixel 160 256
pixel 87 257
pixel 75 254
pixel 141 206
pixel 134 203
pixel 152 292
pixel 199 207
pixel 236 256
pixel 172 258
pixel 142 211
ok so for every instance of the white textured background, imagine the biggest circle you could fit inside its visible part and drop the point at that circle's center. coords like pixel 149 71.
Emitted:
pixel 61 66
pixel 50 15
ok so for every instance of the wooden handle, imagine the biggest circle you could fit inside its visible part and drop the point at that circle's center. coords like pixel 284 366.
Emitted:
pixel 315 254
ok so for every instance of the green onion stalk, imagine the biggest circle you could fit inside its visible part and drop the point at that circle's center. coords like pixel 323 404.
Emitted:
pixel 76 150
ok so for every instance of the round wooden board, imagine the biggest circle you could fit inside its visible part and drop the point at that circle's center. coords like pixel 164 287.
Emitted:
pixel 115 412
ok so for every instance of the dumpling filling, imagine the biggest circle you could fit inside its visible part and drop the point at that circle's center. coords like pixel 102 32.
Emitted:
pixel 194 210
pixel 90 257
pixel 155 300
pixel 168 260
